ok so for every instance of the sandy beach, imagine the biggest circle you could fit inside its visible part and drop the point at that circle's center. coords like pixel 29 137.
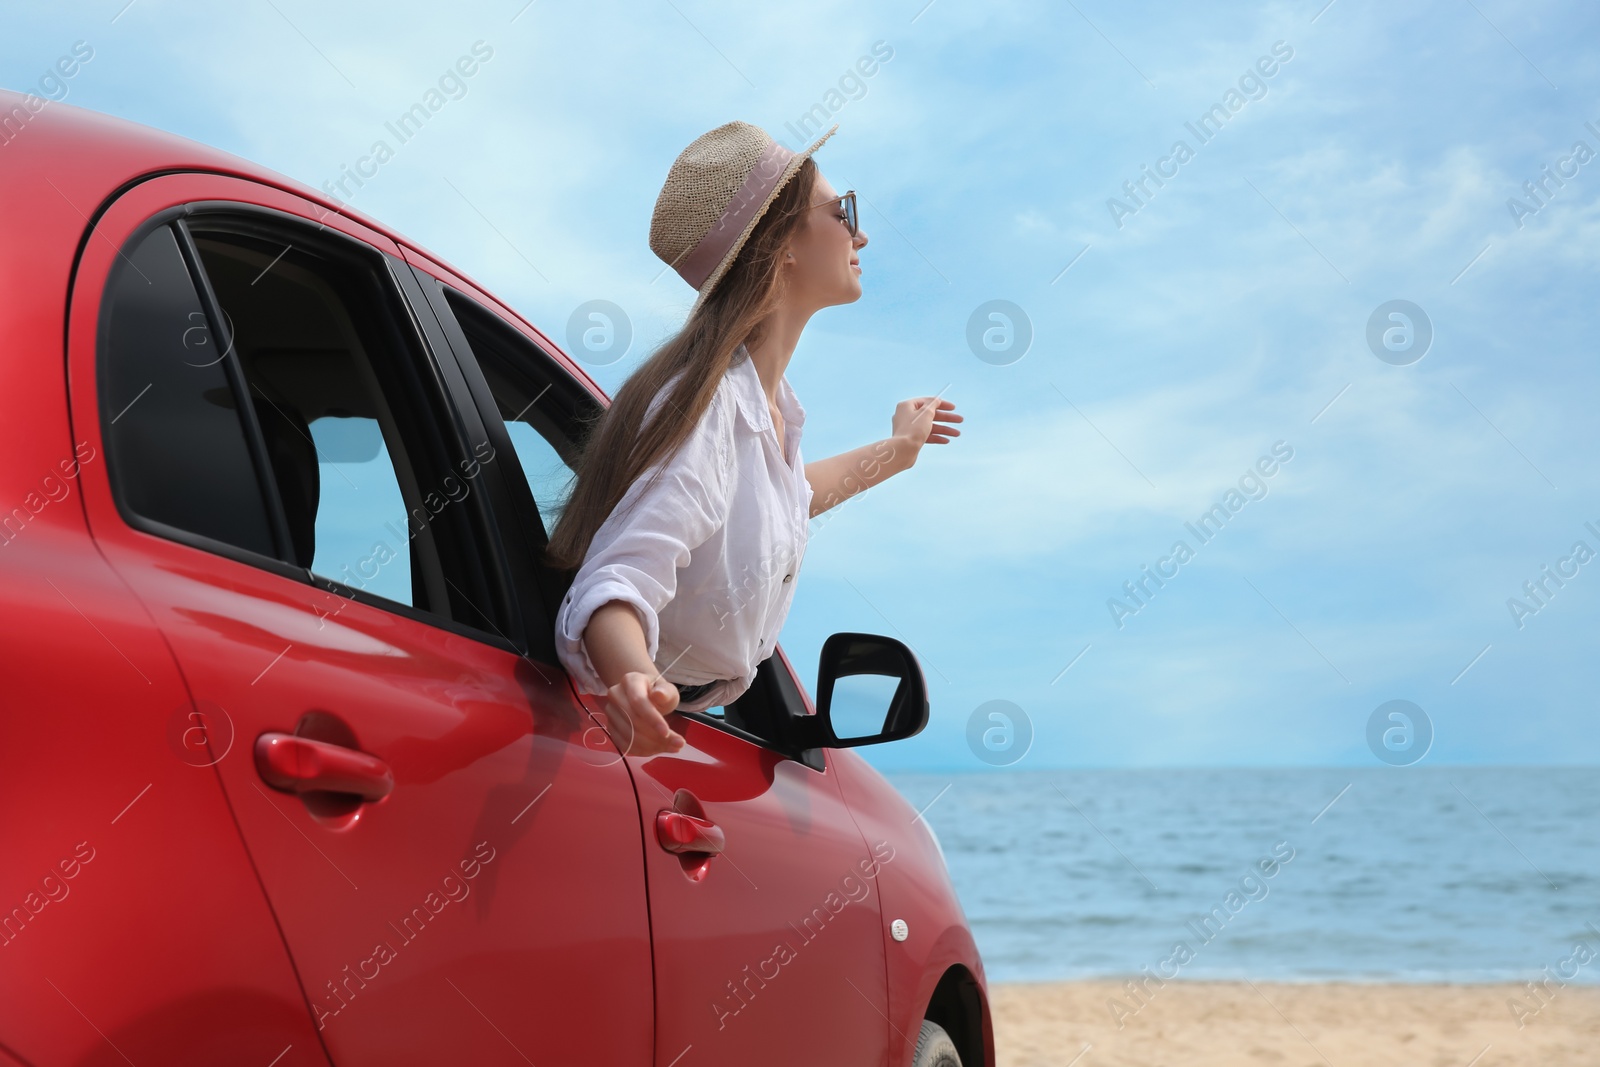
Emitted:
pixel 1234 1024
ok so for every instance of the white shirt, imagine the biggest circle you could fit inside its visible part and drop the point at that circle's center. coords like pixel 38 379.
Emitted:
pixel 709 553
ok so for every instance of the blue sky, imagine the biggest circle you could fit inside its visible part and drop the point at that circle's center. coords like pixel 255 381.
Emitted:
pixel 1227 313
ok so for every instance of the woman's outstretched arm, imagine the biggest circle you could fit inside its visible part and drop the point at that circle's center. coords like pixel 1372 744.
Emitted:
pixel 837 478
pixel 638 697
pixel 919 421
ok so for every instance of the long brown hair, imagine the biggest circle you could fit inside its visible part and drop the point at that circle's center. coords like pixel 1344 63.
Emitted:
pixel 617 451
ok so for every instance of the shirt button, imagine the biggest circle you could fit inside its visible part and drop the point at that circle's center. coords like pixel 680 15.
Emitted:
pixel 787 577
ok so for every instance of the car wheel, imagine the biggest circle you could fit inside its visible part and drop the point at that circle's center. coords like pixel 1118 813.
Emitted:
pixel 934 1047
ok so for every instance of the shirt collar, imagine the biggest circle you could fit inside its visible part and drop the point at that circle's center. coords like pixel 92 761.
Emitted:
pixel 752 399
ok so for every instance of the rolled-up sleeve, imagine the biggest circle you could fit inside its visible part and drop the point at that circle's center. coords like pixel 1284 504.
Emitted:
pixel 668 512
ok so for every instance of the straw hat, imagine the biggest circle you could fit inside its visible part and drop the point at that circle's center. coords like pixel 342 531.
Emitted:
pixel 715 193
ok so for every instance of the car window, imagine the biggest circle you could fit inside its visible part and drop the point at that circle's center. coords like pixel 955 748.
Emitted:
pixel 549 476
pixel 543 422
pixel 162 370
pixel 304 406
pixel 360 503
pixel 311 344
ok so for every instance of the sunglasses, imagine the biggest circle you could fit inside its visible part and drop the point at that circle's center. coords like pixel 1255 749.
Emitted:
pixel 852 221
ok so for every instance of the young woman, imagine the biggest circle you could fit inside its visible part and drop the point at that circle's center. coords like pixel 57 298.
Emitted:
pixel 687 521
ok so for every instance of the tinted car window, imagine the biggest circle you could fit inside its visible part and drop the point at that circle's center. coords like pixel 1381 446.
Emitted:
pixel 177 449
pixel 540 419
pixel 310 350
pixel 267 388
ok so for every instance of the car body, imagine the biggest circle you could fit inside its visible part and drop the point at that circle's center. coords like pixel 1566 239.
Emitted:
pixel 291 772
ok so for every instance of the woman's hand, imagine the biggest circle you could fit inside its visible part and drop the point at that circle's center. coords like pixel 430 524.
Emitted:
pixel 921 421
pixel 636 709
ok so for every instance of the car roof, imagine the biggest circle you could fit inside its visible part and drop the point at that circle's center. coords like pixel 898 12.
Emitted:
pixel 107 153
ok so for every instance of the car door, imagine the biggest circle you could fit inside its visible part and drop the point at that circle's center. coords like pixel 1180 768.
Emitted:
pixel 452 853
pixel 131 921
pixel 767 931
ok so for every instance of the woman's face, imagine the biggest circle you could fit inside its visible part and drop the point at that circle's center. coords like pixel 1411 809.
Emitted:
pixel 826 269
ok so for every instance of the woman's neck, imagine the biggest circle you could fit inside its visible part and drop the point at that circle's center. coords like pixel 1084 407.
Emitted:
pixel 780 332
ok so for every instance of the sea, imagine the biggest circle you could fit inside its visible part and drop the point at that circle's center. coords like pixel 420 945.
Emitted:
pixel 1404 874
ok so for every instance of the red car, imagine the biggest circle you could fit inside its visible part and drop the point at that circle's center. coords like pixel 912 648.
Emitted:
pixel 290 771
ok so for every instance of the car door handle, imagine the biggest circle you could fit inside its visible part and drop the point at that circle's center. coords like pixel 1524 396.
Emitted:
pixel 302 765
pixel 682 833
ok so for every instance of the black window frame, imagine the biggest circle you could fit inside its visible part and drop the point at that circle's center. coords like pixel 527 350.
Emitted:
pixel 540 587
pixel 773 699
pixel 436 379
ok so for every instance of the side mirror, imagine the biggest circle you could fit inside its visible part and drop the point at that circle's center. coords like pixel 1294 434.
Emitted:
pixel 870 690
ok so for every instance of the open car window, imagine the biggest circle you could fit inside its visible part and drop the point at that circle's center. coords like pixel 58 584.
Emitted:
pixel 545 413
